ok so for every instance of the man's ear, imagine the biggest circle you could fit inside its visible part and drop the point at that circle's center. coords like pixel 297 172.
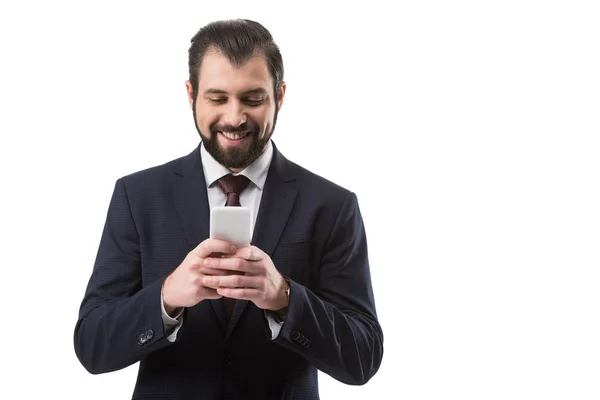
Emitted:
pixel 190 93
pixel 281 95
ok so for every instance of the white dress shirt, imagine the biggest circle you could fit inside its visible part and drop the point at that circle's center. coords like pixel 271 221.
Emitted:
pixel 250 197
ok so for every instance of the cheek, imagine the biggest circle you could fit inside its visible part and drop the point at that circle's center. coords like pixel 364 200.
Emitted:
pixel 264 119
pixel 205 119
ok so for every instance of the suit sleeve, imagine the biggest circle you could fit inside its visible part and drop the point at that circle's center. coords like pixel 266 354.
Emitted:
pixel 119 321
pixel 335 326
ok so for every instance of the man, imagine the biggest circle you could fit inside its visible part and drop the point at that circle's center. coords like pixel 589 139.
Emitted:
pixel 207 320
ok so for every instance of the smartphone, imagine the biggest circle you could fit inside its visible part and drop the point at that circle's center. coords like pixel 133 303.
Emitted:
pixel 231 224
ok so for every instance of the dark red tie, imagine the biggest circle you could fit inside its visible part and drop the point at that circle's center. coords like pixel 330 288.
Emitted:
pixel 232 186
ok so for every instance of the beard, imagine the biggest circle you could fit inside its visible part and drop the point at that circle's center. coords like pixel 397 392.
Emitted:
pixel 236 158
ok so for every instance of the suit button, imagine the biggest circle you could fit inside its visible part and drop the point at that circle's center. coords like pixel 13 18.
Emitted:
pixel 145 337
pixel 226 360
pixel 301 339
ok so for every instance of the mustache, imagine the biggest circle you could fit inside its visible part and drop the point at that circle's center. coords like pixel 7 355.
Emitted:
pixel 247 126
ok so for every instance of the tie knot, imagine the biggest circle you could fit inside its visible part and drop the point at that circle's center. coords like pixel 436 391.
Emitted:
pixel 232 186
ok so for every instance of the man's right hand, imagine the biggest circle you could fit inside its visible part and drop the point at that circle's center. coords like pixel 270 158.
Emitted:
pixel 183 287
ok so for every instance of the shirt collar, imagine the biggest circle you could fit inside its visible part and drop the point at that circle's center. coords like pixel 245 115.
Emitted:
pixel 256 172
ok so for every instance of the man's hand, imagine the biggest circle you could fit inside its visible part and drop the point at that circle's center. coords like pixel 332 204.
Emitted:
pixel 248 275
pixel 184 287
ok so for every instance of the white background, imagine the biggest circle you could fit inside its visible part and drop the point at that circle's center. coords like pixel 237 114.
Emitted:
pixel 481 116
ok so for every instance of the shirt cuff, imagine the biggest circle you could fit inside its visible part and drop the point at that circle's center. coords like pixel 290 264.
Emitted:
pixel 171 323
pixel 275 323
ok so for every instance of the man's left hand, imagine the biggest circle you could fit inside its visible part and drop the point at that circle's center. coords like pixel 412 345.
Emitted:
pixel 253 277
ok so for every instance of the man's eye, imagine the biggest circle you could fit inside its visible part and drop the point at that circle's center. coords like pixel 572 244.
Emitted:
pixel 217 100
pixel 253 102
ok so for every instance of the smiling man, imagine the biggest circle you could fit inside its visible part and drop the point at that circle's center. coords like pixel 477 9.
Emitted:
pixel 204 319
pixel 235 106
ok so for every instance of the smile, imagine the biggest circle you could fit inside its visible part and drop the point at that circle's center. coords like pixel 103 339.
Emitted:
pixel 235 136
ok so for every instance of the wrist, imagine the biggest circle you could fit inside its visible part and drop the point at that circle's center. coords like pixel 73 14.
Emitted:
pixel 286 293
pixel 170 309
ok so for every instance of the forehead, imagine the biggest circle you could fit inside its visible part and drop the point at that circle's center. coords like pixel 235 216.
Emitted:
pixel 216 72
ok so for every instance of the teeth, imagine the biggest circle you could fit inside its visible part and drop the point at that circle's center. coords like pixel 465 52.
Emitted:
pixel 234 136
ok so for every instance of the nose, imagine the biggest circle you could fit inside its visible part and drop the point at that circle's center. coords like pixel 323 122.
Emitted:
pixel 235 114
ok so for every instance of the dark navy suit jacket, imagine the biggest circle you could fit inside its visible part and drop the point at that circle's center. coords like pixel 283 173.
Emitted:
pixel 313 231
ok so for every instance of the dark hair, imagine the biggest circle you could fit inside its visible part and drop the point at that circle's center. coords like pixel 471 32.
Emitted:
pixel 238 40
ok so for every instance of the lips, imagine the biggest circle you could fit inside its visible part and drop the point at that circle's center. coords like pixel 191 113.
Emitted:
pixel 235 136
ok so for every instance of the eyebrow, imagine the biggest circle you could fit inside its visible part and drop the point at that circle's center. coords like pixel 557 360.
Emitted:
pixel 246 92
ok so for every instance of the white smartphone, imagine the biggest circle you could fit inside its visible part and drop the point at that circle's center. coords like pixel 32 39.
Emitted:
pixel 231 224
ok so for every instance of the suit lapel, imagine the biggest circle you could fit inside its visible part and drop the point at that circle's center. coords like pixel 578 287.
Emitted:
pixel 191 203
pixel 276 204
